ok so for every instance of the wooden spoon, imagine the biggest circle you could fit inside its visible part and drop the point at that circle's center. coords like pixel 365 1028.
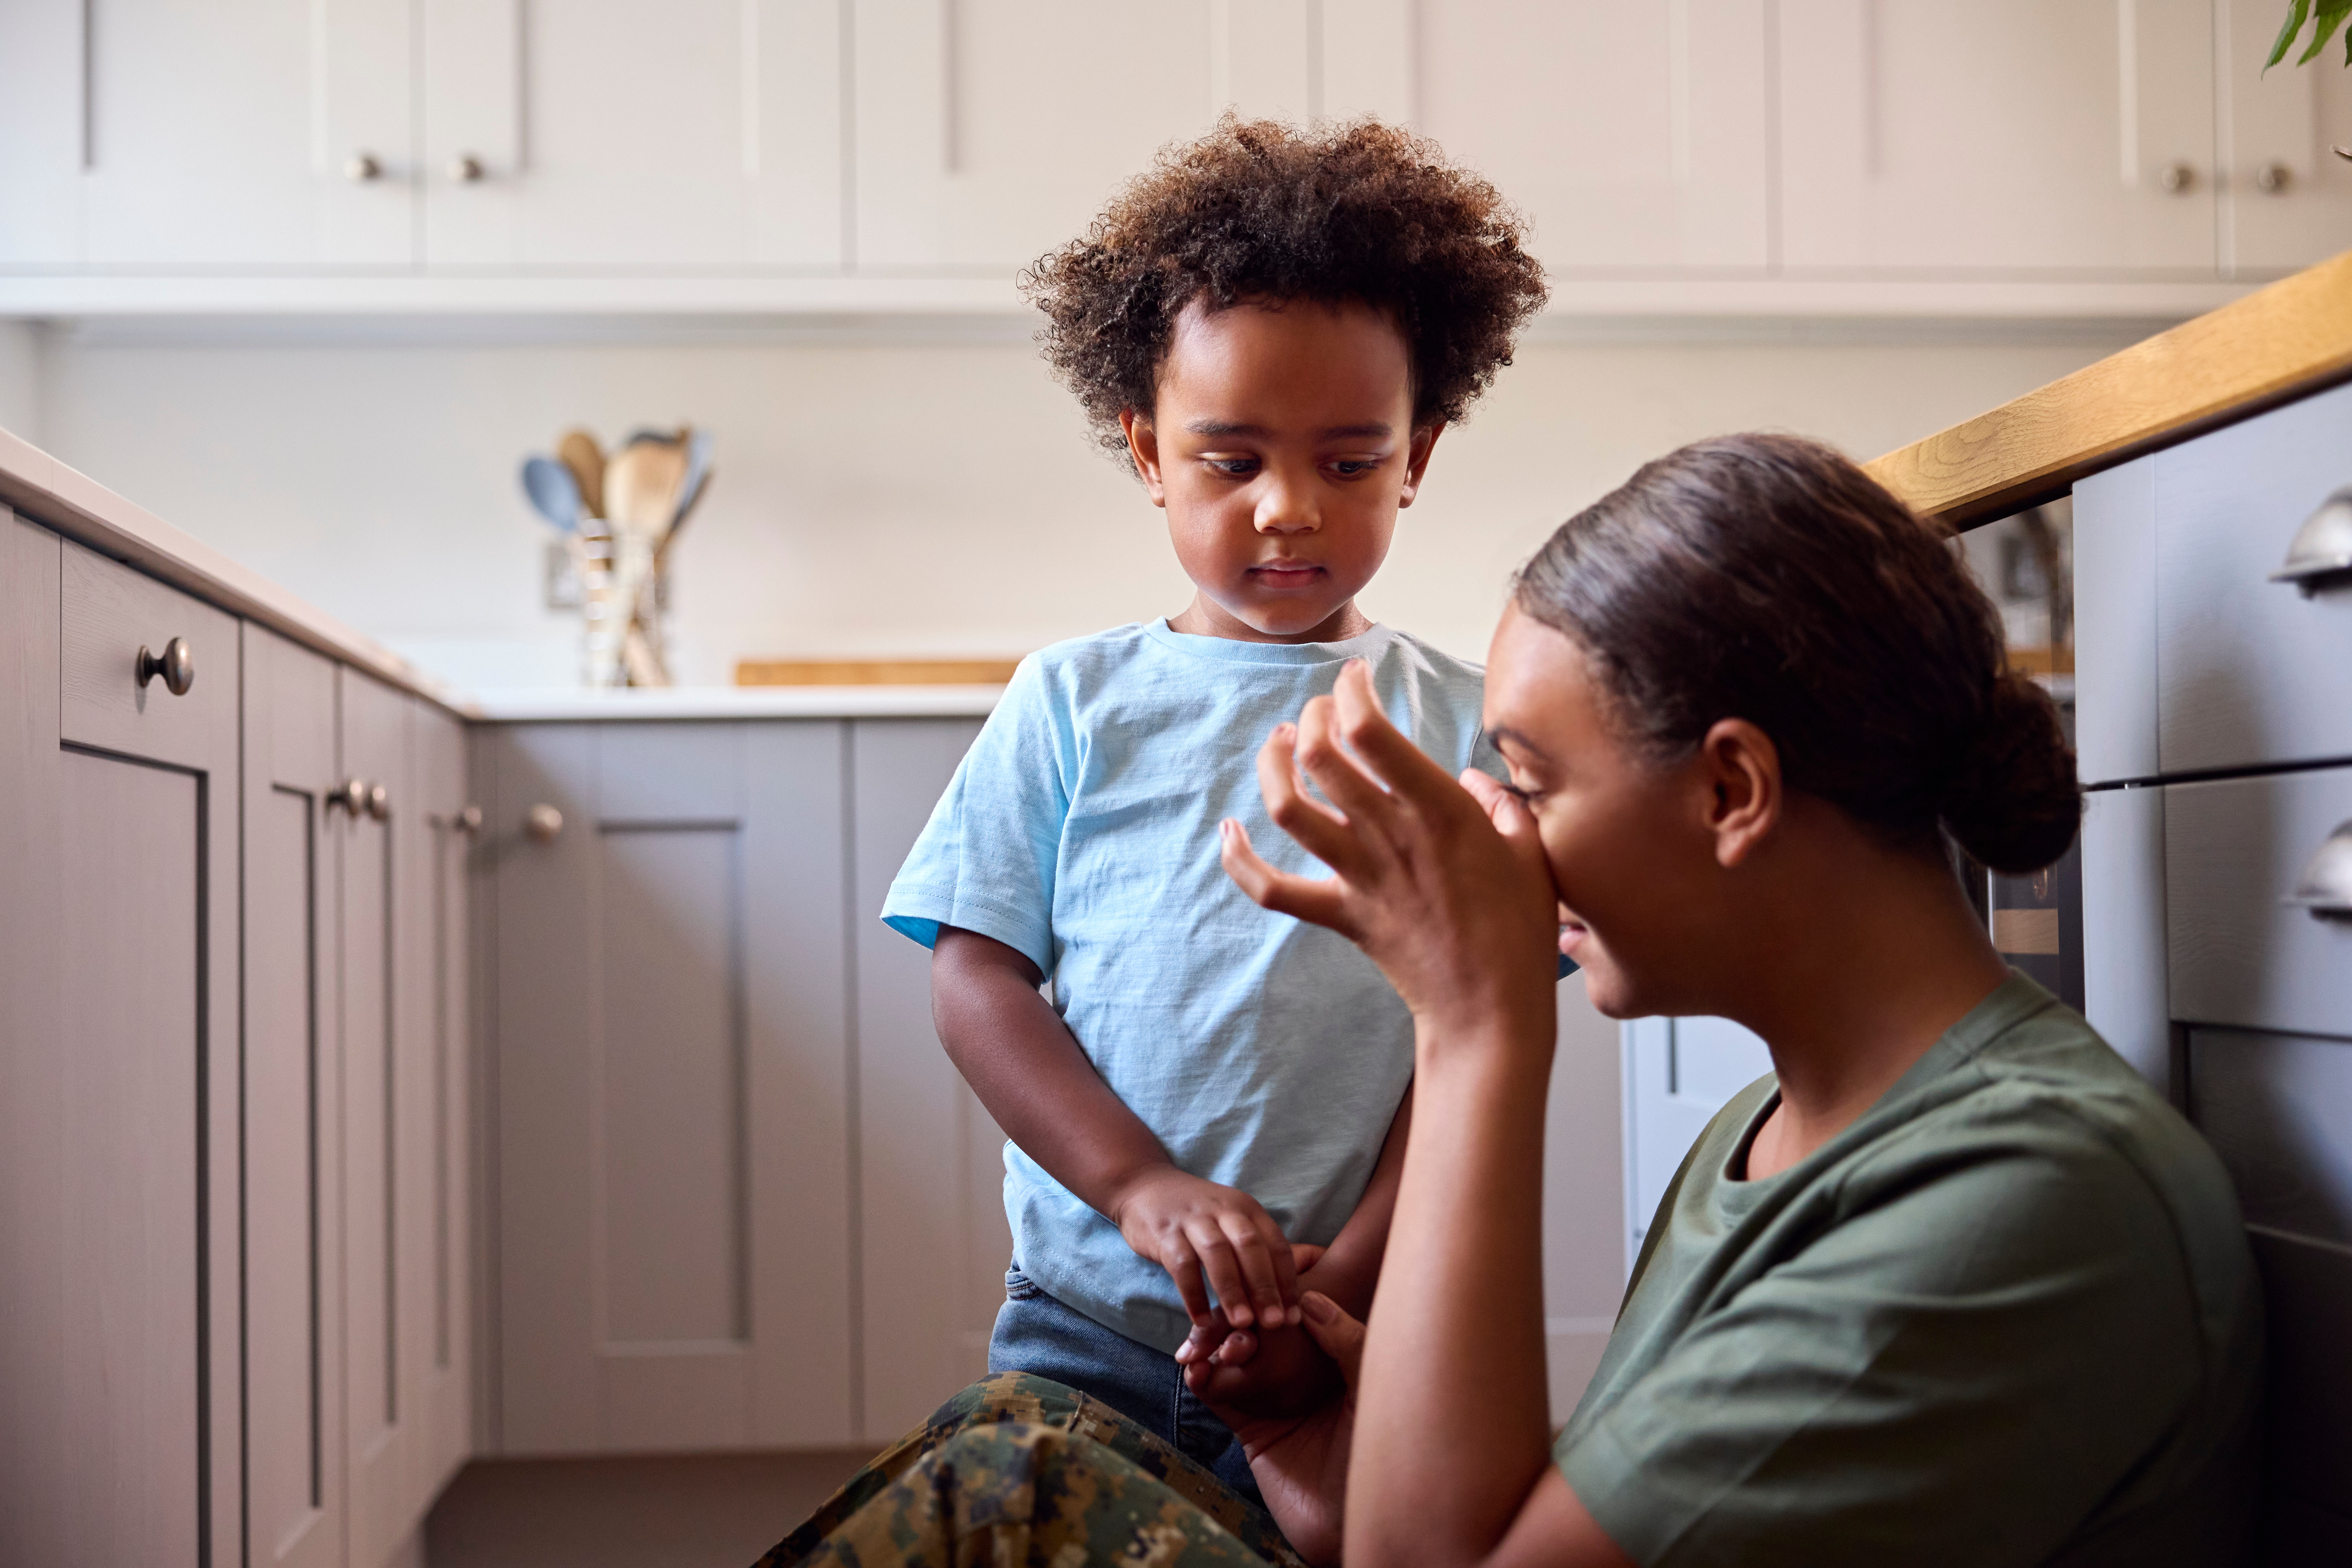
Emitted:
pixel 579 452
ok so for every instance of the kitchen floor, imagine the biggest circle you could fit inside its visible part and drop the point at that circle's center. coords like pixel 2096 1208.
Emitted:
pixel 690 1511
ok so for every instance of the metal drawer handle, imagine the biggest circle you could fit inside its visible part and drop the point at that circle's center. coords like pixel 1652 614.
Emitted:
pixel 467 819
pixel 2321 547
pixel 2325 889
pixel 379 802
pixel 177 667
pixel 543 822
pixel 351 796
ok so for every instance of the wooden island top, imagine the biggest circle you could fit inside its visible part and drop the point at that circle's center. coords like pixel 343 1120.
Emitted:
pixel 2279 343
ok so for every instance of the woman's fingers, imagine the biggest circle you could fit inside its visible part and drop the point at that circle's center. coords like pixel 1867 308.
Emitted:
pixel 1321 832
pixel 1341 1336
pixel 1319 900
pixel 1366 804
pixel 1404 767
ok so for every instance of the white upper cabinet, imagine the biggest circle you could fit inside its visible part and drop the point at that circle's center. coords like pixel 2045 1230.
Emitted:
pixel 2021 136
pixel 991 131
pixel 2287 199
pixel 258 132
pixel 41 132
pixel 624 134
pixel 1633 136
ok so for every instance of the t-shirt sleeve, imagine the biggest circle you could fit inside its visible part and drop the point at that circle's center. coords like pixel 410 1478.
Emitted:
pixel 985 860
pixel 1952 1374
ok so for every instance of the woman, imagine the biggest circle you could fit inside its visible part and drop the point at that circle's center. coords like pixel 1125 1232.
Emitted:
pixel 1950 1285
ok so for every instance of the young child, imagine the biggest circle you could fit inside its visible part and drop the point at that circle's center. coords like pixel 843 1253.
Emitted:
pixel 1273 327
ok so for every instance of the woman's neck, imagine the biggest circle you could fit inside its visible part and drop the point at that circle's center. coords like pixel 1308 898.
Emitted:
pixel 1880 955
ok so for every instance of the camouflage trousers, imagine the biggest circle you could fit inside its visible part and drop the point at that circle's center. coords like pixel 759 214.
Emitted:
pixel 1018 1471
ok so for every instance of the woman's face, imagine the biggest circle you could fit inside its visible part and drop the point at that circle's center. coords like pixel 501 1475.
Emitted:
pixel 1633 854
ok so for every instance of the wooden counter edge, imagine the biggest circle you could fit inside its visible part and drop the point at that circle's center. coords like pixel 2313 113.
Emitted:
pixel 2277 344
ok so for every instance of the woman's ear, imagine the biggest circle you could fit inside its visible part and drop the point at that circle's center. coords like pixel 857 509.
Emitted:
pixel 1416 459
pixel 1742 769
pixel 1143 445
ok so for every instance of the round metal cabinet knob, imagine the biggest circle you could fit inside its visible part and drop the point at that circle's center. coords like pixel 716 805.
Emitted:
pixel 543 822
pixel 2273 178
pixel 351 796
pixel 176 665
pixel 363 168
pixel 2176 178
pixel 469 820
pixel 379 802
pixel 466 169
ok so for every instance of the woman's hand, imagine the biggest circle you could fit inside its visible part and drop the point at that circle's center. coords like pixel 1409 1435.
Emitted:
pixel 1301 1461
pixel 1443 884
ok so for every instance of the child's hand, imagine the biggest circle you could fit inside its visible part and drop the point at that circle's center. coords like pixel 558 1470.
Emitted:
pixel 1272 1372
pixel 1196 1229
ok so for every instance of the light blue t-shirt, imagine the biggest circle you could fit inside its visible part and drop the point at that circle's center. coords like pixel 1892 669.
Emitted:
pixel 1081 830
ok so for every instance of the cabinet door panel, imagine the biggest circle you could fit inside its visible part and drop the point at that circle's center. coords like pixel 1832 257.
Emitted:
pixel 219 134
pixel 989 130
pixel 2274 123
pixel 1633 136
pixel 672 1119
pixel 436 1051
pixel 1678 1074
pixel 40 132
pixel 930 1194
pixel 377 1417
pixel 614 134
pixel 2033 138
pixel 120 1254
pixel 292 1154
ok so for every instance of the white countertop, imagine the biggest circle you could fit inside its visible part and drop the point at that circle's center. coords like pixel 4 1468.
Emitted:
pixel 550 705
pixel 45 491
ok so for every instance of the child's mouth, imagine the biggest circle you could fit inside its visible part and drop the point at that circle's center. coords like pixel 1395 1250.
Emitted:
pixel 1286 573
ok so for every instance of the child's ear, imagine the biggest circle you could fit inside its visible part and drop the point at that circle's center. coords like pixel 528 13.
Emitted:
pixel 1143 445
pixel 1416 459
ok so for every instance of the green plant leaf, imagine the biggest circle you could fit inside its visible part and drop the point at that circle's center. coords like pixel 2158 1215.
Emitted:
pixel 2295 15
pixel 2331 16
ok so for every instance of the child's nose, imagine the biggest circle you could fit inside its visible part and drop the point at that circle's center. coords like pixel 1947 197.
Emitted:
pixel 1286 509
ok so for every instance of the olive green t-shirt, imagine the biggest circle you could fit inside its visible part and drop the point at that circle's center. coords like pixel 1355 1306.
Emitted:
pixel 2009 1316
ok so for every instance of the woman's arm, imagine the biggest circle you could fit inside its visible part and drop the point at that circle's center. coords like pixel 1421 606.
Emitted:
pixel 1026 1066
pixel 1448 891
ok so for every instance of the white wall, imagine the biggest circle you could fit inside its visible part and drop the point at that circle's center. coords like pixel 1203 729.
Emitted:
pixel 20 379
pixel 875 497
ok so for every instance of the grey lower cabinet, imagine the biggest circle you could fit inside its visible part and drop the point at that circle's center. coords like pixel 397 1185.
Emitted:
pixel 2213 701
pixel 356 1081
pixel 118 1233
pixel 741 1198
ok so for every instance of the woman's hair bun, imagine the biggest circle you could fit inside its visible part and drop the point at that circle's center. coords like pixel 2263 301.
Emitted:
pixel 2014 801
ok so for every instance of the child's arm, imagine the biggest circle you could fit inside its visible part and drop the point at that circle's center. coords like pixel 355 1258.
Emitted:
pixel 1022 1062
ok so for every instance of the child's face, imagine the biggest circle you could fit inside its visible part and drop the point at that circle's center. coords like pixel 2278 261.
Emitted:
pixel 1282 446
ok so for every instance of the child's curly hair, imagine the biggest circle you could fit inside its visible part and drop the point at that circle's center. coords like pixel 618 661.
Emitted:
pixel 1360 212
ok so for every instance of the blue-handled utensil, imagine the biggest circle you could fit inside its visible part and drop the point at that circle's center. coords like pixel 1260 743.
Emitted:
pixel 554 492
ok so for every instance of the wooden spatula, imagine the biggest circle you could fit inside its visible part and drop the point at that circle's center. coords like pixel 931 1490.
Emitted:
pixel 579 452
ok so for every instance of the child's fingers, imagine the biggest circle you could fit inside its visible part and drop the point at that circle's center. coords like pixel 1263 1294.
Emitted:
pixel 1184 1268
pixel 1256 1260
pixel 1317 900
pixel 1224 1272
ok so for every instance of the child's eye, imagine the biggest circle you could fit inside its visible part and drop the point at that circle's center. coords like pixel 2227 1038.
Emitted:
pixel 1233 468
pixel 1355 468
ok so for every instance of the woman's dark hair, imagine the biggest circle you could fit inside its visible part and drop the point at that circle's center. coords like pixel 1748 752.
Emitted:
pixel 1768 578
pixel 1360 212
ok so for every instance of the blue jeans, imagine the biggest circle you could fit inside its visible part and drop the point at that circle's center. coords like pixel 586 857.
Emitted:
pixel 1034 1333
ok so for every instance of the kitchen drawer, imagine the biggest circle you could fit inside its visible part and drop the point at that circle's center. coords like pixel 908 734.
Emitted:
pixel 2248 670
pixel 2278 1109
pixel 2240 955
pixel 108 613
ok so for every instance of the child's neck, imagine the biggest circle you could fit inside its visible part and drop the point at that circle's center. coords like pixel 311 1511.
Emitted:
pixel 1204 618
